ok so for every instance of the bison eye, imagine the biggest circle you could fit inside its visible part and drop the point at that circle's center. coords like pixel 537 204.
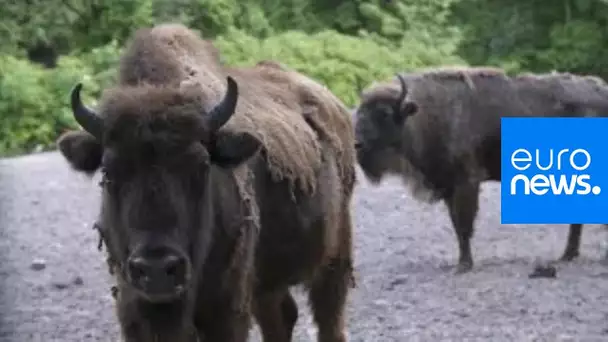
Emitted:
pixel 384 113
pixel 105 180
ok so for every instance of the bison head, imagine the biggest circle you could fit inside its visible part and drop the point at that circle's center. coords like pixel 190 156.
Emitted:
pixel 159 154
pixel 379 129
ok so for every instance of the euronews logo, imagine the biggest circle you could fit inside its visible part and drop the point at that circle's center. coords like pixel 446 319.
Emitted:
pixel 563 173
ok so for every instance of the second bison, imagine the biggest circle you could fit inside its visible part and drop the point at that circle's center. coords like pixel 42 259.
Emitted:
pixel 441 130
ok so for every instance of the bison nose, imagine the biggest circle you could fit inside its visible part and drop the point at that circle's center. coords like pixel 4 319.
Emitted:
pixel 358 145
pixel 164 274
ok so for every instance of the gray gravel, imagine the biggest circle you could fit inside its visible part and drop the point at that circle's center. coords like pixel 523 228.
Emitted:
pixel 56 286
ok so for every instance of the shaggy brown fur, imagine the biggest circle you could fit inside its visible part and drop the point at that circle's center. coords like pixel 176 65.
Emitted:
pixel 318 104
pixel 450 143
pixel 264 109
pixel 206 198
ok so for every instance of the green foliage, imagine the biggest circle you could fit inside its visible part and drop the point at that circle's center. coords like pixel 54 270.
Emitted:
pixel 47 46
pixel 567 35
pixel 343 63
pixel 33 102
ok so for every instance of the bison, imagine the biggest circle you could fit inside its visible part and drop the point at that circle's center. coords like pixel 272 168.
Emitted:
pixel 221 188
pixel 440 131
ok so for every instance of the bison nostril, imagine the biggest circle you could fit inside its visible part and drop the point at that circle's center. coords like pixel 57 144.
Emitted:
pixel 173 266
pixel 164 273
pixel 171 270
pixel 358 145
pixel 138 268
pixel 153 268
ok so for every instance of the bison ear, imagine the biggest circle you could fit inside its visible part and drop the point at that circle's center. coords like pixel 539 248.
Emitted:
pixel 231 149
pixel 406 110
pixel 82 151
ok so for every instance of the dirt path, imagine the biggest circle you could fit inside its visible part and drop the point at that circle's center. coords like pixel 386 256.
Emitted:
pixel 406 290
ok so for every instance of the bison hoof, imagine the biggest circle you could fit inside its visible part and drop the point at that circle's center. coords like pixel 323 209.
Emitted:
pixel 463 267
pixel 543 271
pixel 569 256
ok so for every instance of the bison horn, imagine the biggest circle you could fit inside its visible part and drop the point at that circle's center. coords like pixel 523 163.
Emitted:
pixel 87 118
pixel 221 113
pixel 403 90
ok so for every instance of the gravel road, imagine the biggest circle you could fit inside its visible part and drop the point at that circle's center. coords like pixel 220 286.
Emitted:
pixel 56 286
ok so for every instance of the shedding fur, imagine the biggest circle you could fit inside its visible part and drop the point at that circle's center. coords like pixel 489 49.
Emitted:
pixel 270 105
pixel 571 89
pixel 460 73
pixel 243 253
pixel 327 116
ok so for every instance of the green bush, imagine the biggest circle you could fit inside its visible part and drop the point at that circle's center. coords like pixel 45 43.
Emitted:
pixel 343 63
pixel 34 101
pixel 345 44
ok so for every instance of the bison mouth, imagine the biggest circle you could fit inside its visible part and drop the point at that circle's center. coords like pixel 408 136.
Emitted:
pixel 373 167
pixel 372 175
pixel 372 172
pixel 158 294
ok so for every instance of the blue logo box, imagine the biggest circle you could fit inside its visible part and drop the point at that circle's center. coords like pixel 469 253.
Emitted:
pixel 554 170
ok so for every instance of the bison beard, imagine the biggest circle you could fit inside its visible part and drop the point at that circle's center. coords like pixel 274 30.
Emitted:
pixel 443 137
pixel 212 207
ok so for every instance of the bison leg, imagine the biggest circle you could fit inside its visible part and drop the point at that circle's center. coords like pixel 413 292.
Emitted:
pixel 463 205
pixel 328 299
pixel 289 310
pixel 574 241
pixel 330 287
pixel 276 314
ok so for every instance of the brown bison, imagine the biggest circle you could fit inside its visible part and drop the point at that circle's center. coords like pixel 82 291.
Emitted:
pixel 221 188
pixel 440 129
